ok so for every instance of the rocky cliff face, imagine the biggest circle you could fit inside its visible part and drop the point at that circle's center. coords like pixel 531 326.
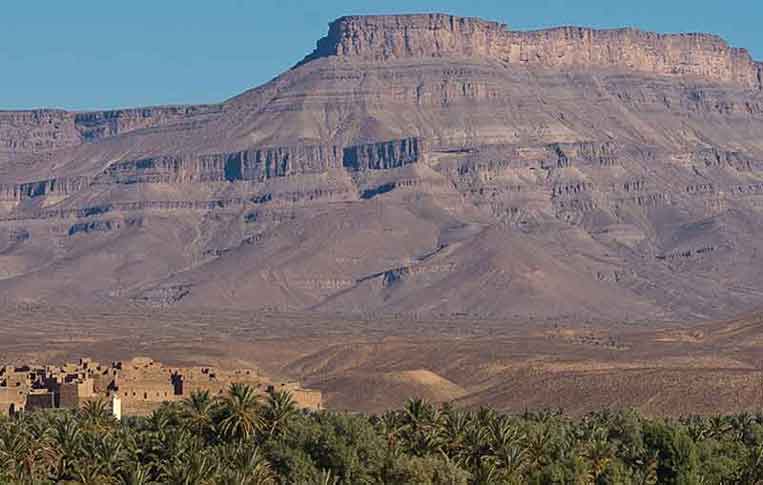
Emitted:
pixel 421 164
pixel 385 155
pixel 36 130
pixel 96 125
pixel 385 38
pixel 45 130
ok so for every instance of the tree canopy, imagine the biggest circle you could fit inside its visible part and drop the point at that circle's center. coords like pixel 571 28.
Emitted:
pixel 244 439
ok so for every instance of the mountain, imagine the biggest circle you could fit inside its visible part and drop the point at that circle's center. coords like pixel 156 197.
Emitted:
pixel 411 164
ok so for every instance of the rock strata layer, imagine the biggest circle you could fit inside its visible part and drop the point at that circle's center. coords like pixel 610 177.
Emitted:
pixel 420 165
pixel 385 38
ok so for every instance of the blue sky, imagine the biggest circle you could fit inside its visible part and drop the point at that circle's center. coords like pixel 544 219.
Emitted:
pixel 94 54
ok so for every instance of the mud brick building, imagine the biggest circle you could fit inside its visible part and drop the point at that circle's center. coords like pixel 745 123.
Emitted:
pixel 141 384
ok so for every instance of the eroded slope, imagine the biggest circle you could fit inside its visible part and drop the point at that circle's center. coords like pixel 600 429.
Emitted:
pixel 412 164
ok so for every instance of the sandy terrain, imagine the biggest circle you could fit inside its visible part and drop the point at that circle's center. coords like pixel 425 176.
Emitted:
pixel 372 365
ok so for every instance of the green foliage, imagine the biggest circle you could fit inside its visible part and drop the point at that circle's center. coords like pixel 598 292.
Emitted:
pixel 430 470
pixel 347 445
pixel 243 439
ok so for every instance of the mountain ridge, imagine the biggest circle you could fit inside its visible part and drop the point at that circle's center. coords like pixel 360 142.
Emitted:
pixel 385 179
pixel 346 37
pixel 440 35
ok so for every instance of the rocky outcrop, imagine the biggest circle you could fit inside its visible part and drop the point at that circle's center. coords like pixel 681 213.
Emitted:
pixel 19 234
pixel 713 157
pixel 399 275
pixel 162 296
pixel 687 253
pixel 256 164
pixel 266 163
pixel 117 207
pixel 385 38
pixel 61 187
pixel 46 130
pixel 96 125
pixel 35 131
pixel 385 155
pixel 105 225
pixel 602 154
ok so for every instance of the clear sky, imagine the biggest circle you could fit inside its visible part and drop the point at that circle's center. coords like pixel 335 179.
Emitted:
pixel 94 54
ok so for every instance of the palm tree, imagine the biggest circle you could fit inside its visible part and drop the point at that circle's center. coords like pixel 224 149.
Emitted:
pixel 325 478
pixel 195 468
pixel 179 444
pixel 485 416
pixel 487 474
pixel 244 465
pixel 280 408
pixel 753 471
pixel 163 419
pixel 239 413
pixel 197 413
pixel 476 447
pixel 136 474
pixel 41 456
pixel 507 447
pixel 16 454
pixel 698 428
pixel 456 424
pixel 599 453
pixel 97 415
pixel 90 472
pixel 420 427
pixel 183 459
pixel 718 426
pixel 67 443
pixel 419 413
pixel 646 474
pixel 107 451
pixel 389 425
pixel 741 425
pixel 538 446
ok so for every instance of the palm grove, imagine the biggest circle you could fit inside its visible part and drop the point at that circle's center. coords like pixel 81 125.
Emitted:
pixel 245 439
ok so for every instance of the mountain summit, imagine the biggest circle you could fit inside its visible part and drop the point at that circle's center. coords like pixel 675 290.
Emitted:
pixel 412 164
pixel 387 38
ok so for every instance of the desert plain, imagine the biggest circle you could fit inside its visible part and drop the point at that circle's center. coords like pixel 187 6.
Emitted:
pixel 376 364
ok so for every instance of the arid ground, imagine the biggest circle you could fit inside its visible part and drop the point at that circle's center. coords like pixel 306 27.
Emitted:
pixel 375 364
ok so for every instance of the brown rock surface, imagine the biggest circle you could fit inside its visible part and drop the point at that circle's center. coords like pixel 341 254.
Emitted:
pixel 419 165
pixel 385 38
